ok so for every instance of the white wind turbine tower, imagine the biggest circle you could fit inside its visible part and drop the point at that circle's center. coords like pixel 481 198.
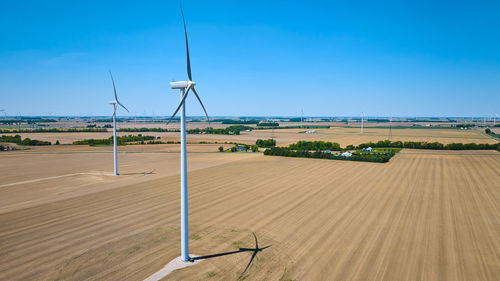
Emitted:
pixel 115 104
pixel 362 119
pixel 390 127
pixel 301 118
pixel 184 87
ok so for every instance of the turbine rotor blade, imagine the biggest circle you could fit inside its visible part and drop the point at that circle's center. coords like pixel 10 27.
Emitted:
pixel 180 104
pixel 201 103
pixel 187 47
pixel 123 107
pixel 249 263
pixel 114 88
pixel 256 243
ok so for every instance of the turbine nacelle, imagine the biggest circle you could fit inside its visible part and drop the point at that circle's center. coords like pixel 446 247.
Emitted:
pixel 181 84
pixel 113 102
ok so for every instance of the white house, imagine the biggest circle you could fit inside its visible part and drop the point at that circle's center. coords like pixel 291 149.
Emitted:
pixel 346 154
pixel 368 149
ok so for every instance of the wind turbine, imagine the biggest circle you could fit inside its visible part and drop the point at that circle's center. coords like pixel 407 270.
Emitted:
pixel 185 87
pixel 390 127
pixel 115 104
pixel 362 117
pixel 301 118
pixel 19 123
pixel 495 119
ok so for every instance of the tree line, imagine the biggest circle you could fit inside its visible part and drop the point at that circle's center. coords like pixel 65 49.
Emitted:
pixel 268 124
pixel 55 130
pixel 315 145
pixel 231 130
pixel 266 143
pixel 427 145
pixel 158 130
pixel 119 140
pixel 18 140
pixel 240 122
pixel 29 121
pixel 294 127
pixel 465 125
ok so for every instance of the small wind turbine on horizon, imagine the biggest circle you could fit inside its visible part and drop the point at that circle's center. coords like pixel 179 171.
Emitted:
pixel 185 87
pixel 115 104
pixel 390 127
pixel 362 119
pixel 301 118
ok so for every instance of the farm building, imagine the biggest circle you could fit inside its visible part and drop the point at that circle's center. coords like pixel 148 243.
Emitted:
pixel 240 148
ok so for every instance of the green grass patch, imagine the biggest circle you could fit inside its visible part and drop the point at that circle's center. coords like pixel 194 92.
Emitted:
pixel 237 244
pixel 195 236
pixel 393 150
pixel 211 274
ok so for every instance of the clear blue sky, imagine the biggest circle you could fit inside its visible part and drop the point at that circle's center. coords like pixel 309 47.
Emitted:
pixel 425 58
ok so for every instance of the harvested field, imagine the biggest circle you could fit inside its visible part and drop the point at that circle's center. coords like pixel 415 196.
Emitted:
pixel 425 215
pixel 166 148
pixel 343 135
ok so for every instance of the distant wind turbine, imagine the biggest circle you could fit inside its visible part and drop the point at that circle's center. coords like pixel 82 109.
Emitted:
pixel 362 117
pixel 115 104
pixel 390 127
pixel 185 87
pixel 301 118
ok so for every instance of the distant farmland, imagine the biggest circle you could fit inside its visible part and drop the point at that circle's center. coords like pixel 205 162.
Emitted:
pixel 342 135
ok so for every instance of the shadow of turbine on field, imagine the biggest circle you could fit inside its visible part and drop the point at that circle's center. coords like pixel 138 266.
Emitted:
pixel 241 250
pixel 138 173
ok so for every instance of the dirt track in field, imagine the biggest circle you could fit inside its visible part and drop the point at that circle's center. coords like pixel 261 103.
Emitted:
pixel 425 215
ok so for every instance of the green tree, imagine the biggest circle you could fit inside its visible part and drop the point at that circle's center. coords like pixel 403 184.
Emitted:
pixel 266 143
pixel 221 149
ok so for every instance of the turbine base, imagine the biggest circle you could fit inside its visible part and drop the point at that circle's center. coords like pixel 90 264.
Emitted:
pixel 175 264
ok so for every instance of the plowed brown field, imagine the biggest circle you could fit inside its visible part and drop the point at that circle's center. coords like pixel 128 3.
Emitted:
pixel 425 215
